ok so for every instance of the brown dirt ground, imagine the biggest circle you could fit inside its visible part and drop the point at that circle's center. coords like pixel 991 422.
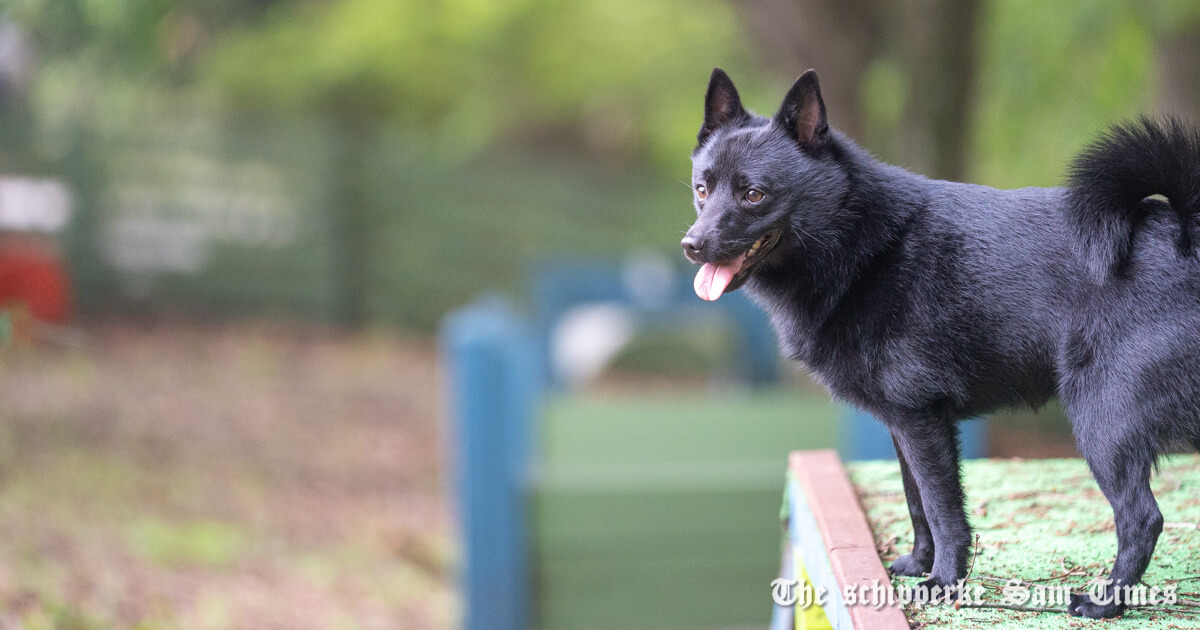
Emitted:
pixel 222 476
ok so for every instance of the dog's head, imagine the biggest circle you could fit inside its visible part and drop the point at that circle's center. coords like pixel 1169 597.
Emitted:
pixel 762 187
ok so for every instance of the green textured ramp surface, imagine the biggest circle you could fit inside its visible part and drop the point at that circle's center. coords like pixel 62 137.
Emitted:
pixel 1045 521
pixel 663 512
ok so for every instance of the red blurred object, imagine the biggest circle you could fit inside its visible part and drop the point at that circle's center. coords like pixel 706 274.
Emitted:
pixel 33 278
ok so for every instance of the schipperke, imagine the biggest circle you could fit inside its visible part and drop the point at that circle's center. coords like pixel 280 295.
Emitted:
pixel 926 302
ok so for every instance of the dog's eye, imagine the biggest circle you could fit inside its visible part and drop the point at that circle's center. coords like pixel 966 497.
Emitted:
pixel 701 191
pixel 754 195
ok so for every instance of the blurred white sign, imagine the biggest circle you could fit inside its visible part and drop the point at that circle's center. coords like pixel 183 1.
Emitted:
pixel 588 337
pixel 170 210
pixel 156 244
pixel 33 205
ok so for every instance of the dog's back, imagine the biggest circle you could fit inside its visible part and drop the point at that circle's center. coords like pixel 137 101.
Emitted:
pixel 960 310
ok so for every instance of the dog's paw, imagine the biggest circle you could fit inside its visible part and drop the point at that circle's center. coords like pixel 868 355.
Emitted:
pixel 1082 606
pixel 911 565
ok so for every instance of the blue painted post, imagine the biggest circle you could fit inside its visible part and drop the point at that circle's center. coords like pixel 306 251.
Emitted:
pixel 491 371
pixel 864 437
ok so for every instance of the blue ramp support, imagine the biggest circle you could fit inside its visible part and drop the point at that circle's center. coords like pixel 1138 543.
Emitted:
pixel 490 365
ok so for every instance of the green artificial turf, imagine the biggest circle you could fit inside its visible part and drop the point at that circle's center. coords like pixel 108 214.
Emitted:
pixel 1045 521
pixel 662 511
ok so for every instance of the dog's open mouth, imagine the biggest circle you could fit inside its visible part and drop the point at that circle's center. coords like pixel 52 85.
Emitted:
pixel 714 279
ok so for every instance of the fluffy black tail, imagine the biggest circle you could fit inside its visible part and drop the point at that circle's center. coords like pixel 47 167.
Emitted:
pixel 1111 179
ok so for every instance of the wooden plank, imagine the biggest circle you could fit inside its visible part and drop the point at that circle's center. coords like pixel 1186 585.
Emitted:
pixel 845 551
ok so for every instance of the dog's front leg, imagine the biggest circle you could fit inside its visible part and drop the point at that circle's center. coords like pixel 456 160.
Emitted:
pixel 920 561
pixel 928 448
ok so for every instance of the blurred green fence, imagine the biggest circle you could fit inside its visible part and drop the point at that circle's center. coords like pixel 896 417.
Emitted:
pixel 210 216
pixel 231 215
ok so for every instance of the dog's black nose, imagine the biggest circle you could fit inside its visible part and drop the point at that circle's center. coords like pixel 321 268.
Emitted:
pixel 692 246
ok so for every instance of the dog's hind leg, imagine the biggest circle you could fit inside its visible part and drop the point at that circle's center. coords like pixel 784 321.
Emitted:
pixel 929 448
pixel 1121 465
pixel 920 561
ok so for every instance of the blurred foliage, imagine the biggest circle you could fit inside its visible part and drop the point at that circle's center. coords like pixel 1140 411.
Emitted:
pixel 1051 78
pixel 474 138
pixel 619 78
pixel 136 36
pixel 199 543
pixel 615 79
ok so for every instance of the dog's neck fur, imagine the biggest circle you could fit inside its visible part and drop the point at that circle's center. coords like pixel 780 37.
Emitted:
pixel 881 200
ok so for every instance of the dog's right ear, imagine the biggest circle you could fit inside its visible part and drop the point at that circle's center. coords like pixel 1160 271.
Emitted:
pixel 721 104
pixel 802 114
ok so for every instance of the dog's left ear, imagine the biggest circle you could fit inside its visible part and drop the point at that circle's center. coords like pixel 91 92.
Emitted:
pixel 802 114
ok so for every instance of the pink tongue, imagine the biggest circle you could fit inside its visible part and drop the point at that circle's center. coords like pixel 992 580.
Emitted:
pixel 712 278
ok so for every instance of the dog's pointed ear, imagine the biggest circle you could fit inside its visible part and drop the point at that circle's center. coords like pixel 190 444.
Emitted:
pixel 721 104
pixel 802 114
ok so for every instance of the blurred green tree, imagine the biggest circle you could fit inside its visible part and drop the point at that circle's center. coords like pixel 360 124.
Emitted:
pixel 590 78
pixel 619 79
pixel 897 76
pixel 565 126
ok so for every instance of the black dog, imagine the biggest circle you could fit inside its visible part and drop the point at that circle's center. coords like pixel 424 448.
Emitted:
pixel 925 302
